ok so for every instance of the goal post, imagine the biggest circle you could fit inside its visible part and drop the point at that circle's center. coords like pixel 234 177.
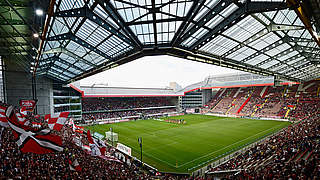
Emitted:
pixel 111 136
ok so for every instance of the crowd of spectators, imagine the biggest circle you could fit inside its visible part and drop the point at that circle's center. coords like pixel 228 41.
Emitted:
pixel 103 104
pixel 123 114
pixel 17 165
pixel 276 157
pixel 279 102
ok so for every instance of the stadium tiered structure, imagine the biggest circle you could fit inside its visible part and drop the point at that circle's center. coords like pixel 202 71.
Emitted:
pixel 48 45
pixel 286 101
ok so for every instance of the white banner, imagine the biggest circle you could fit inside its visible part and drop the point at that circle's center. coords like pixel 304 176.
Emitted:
pixel 123 148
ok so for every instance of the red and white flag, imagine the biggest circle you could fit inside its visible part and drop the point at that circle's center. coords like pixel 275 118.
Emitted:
pixel 78 129
pixel 34 141
pixel 21 119
pixel 36 124
pixel 75 166
pixel 27 106
pixel 3 118
pixel 95 150
pixel 56 121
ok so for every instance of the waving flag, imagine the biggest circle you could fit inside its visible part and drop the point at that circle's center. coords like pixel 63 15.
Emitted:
pixel 95 151
pixel 3 118
pixel 34 141
pixel 56 121
pixel 36 124
pixel 27 106
pixel 75 166
pixel 76 128
pixel 21 119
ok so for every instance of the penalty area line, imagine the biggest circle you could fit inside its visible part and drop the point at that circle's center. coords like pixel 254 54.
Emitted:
pixel 226 147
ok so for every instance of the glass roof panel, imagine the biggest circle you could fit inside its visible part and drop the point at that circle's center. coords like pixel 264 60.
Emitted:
pixel 267 65
pixel 219 45
pixel 241 53
pixel 104 15
pixel 67 4
pixel 289 55
pixel 248 40
pixel 257 59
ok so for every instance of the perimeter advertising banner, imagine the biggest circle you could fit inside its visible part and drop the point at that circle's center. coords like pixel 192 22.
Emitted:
pixel 123 148
pixel 191 110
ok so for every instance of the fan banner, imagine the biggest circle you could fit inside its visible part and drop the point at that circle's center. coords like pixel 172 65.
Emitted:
pixel 3 118
pixel 27 106
pixel 34 141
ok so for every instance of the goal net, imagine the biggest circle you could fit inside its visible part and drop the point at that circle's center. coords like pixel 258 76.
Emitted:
pixel 111 136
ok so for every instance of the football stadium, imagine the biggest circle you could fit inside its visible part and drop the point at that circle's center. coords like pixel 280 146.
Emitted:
pixel 261 122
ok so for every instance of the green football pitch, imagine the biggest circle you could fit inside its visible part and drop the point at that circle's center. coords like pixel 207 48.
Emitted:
pixel 177 148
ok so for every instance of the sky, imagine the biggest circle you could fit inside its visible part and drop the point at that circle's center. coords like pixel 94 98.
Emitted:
pixel 156 72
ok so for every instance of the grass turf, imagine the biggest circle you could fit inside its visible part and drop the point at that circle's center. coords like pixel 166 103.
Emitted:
pixel 176 148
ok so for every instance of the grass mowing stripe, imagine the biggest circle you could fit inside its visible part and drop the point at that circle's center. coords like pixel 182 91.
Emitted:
pixel 177 148
pixel 227 146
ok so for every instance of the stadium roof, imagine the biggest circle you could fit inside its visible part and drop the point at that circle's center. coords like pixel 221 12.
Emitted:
pixel 18 24
pixel 272 38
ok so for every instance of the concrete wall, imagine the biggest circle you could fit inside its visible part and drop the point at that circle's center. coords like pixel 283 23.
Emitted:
pixel 18 85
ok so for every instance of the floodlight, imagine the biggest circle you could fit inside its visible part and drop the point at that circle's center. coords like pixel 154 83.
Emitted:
pixel 39 12
pixel 35 35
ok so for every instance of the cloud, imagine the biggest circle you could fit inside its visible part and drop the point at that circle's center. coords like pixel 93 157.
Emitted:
pixel 156 72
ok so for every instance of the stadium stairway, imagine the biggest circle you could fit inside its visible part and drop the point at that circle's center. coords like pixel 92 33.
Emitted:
pixel 231 105
pixel 215 105
pixel 306 155
pixel 287 113
pixel 244 103
pixel 302 155
pixel 259 107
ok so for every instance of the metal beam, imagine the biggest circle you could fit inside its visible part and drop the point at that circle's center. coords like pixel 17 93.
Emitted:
pixel 153 11
pixel 263 51
pixel 286 38
pixel 16 41
pixel 69 53
pixel 193 11
pixel 7 44
pixel 86 12
pixel 116 17
pixel 13 22
pixel 70 36
pixel 156 21
pixel 22 47
pixel 205 19
pixel 250 39
pixel 222 26
pixel 44 34
pixel 21 17
pixel 15 35
pixel 247 8
pixel 17 3
pixel 55 58
pixel 305 48
pixel 300 9
pixel 284 61
pixel 57 72
pixel 15 29
pixel 283 27
pixel 63 69
pixel 299 39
